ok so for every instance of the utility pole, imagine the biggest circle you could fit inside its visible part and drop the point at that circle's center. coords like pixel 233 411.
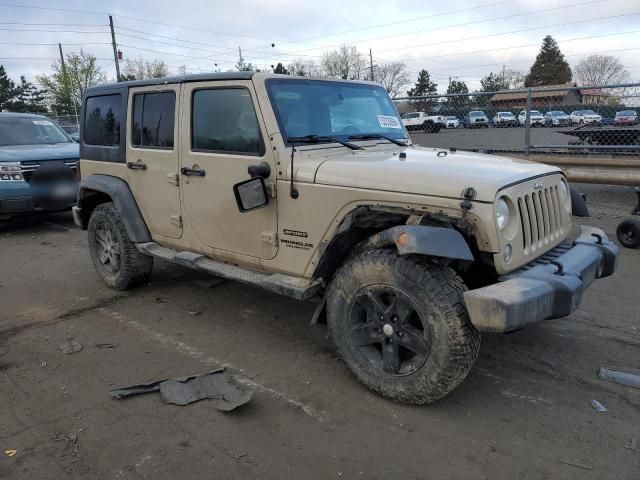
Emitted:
pixel 503 72
pixel 240 59
pixel 67 83
pixel 115 49
pixel 371 64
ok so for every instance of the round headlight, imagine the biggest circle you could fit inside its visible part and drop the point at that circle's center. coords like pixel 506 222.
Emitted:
pixel 502 213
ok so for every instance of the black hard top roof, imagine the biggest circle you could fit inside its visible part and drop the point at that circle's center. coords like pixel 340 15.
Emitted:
pixel 201 77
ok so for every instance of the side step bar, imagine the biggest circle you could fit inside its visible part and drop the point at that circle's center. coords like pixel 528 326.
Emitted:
pixel 295 287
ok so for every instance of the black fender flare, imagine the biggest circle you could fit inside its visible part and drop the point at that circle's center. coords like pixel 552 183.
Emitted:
pixel 120 194
pixel 422 240
pixel 578 204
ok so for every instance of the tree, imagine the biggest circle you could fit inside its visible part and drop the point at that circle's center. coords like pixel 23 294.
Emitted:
pixel 457 87
pixel 492 83
pixel 242 66
pixel 28 98
pixel 281 69
pixel 514 79
pixel 550 67
pixel 392 76
pixel 346 63
pixel 600 70
pixel 424 86
pixel 24 97
pixel 304 68
pixel 7 90
pixel 139 68
pixel 65 87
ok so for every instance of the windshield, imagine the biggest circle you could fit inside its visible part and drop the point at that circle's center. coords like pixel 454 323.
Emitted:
pixel 557 114
pixel 505 114
pixel 588 112
pixel 476 114
pixel 30 131
pixel 451 118
pixel 335 109
pixel 410 115
pixel 626 113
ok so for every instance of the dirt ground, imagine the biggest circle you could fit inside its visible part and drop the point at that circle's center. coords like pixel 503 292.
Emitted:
pixel 524 411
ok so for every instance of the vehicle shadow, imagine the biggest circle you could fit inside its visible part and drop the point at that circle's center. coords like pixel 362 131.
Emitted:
pixel 39 223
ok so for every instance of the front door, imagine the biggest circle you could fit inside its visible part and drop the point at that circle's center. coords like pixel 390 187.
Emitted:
pixel 224 136
pixel 152 156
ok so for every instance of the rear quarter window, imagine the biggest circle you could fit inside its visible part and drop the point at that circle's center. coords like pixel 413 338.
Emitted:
pixel 103 116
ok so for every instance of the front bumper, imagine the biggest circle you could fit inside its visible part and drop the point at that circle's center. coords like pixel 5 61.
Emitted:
pixel 19 198
pixel 550 287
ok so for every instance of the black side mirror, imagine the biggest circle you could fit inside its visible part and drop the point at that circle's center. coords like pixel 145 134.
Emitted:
pixel 251 194
pixel 75 137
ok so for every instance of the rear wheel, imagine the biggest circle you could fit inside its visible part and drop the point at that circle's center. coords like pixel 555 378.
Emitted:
pixel 628 233
pixel 114 256
pixel 401 326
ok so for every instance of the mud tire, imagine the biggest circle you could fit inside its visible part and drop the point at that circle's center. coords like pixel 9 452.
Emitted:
pixel 437 294
pixel 130 268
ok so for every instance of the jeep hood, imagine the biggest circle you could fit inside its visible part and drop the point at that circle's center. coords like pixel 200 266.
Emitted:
pixel 424 172
pixel 56 151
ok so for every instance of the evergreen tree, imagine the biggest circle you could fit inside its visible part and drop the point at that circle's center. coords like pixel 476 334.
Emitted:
pixel 424 86
pixel 7 90
pixel 492 83
pixel 281 69
pixel 550 67
pixel 457 87
pixel 28 98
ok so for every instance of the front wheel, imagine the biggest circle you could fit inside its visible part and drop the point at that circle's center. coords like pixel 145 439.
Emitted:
pixel 114 255
pixel 628 233
pixel 401 326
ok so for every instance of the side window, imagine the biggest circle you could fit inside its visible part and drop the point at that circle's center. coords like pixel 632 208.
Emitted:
pixel 153 120
pixel 102 120
pixel 224 120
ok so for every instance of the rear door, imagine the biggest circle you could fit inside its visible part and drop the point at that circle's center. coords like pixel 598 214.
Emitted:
pixel 152 156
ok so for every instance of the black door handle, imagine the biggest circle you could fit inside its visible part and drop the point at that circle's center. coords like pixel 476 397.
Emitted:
pixel 136 166
pixel 194 172
pixel 262 170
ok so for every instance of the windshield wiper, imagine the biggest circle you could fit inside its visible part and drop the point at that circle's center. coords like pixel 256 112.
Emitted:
pixel 322 139
pixel 375 136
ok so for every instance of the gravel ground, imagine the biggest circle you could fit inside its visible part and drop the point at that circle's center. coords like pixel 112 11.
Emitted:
pixel 524 411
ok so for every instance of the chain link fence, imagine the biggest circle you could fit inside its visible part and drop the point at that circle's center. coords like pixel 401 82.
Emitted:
pixel 69 123
pixel 556 119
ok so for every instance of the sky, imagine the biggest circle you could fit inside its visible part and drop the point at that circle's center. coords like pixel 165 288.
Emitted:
pixel 463 39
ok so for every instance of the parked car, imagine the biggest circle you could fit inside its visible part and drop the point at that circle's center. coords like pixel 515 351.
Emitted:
pixel 38 165
pixel 451 122
pixel 379 229
pixel 535 118
pixel 581 117
pixel 504 119
pixel 421 121
pixel 626 117
pixel 475 119
pixel 557 118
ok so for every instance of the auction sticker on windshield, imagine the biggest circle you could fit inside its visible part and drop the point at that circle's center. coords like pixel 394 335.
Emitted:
pixel 46 123
pixel 387 121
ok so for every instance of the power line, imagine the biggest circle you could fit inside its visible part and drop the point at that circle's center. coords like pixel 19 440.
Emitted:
pixel 478 37
pixel 55 44
pixel 45 31
pixel 168 38
pixel 55 24
pixel 414 19
pixel 466 24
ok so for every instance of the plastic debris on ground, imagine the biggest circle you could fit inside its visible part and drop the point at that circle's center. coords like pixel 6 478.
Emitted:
pixel 214 385
pixel 598 406
pixel 10 452
pixel 70 347
pixel 623 378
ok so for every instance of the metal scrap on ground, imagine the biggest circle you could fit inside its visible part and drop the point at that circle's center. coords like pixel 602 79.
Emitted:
pixel 215 385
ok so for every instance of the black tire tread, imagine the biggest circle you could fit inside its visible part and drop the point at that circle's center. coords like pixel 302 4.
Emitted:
pixel 135 268
pixel 441 283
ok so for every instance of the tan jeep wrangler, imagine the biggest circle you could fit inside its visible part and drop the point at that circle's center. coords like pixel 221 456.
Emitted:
pixel 312 189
